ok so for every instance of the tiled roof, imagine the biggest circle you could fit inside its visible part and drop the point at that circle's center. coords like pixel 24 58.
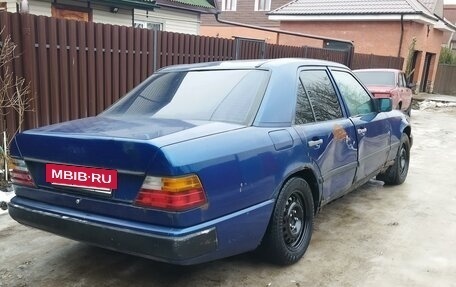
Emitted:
pixel 146 4
pixel 351 7
pixel 197 3
pixel 430 4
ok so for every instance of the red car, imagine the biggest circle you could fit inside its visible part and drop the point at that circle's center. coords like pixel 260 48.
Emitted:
pixel 388 83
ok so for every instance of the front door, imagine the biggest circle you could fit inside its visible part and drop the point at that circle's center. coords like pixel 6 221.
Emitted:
pixel 372 128
pixel 426 70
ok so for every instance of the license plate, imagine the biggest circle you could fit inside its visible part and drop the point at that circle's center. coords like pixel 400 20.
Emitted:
pixel 98 179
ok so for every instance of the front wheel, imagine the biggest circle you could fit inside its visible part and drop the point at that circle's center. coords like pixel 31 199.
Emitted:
pixel 290 229
pixel 397 173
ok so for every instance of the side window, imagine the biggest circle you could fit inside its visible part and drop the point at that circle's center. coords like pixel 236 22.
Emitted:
pixel 357 99
pixel 304 113
pixel 321 94
pixel 400 80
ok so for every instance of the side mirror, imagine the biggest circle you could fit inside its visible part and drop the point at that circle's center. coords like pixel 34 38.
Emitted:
pixel 384 104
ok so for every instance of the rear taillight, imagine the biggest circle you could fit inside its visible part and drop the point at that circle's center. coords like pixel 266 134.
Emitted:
pixel 171 193
pixel 20 174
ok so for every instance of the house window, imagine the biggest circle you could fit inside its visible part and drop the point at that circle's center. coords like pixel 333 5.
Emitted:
pixel 262 5
pixel 149 25
pixel 229 5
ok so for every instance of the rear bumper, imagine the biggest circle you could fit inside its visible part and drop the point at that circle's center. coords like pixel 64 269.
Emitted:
pixel 173 249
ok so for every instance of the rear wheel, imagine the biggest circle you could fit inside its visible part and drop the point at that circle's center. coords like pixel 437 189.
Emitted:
pixel 397 173
pixel 290 229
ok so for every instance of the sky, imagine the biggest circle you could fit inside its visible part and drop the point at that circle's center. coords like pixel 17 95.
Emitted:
pixel 449 1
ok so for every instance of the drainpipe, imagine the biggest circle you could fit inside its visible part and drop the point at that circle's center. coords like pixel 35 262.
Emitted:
pixel 402 36
pixel 278 31
pixel 24 8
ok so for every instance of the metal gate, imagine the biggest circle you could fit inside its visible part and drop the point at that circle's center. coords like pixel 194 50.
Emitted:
pixel 246 48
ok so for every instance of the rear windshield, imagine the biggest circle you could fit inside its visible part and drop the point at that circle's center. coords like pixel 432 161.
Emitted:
pixel 217 95
pixel 377 78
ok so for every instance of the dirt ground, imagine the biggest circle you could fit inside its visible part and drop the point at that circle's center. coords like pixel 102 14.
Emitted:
pixel 375 236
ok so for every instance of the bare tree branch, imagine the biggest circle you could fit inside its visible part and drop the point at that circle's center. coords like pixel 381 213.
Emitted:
pixel 7 50
pixel 14 91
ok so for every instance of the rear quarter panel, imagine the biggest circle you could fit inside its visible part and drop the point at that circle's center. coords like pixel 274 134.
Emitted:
pixel 238 169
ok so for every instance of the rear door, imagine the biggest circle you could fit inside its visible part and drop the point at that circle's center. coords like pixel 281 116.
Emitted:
pixel 328 134
pixel 372 128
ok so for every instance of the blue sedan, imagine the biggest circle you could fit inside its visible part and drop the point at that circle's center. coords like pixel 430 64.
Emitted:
pixel 205 161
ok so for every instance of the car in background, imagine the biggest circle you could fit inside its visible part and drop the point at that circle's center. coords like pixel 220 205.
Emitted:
pixel 388 83
pixel 209 160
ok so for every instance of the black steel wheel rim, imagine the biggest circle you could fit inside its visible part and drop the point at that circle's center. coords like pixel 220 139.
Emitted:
pixel 403 160
pixel 294 223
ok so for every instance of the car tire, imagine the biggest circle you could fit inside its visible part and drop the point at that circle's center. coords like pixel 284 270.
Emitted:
pixel 397 173
pixel 290 228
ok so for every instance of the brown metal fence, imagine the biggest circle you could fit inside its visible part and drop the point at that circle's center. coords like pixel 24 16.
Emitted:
pixel 367 61
pixel 77 69
pixel 445 82
pixel 280 51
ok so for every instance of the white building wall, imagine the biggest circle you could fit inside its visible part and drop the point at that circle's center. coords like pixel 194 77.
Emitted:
pixel 11 6
pixel 40 8
pixel 123 18
pixel 172 20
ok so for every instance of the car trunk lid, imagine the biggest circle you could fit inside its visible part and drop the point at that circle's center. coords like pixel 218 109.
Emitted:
pixel 101 146
pixel 380 89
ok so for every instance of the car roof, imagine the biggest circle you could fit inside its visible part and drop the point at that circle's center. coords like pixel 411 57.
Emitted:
pixel 378 70
pixel 252 64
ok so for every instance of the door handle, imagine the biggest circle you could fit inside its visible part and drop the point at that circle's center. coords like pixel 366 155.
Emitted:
pixel 315 143
pixel 362 131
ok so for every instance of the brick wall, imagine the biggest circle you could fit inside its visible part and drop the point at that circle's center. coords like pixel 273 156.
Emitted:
pixel 379 38
pixel 230 31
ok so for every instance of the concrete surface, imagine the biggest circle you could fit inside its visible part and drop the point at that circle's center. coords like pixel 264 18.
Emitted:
pixel 375 236
pixel 5 197
pixel 434 97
